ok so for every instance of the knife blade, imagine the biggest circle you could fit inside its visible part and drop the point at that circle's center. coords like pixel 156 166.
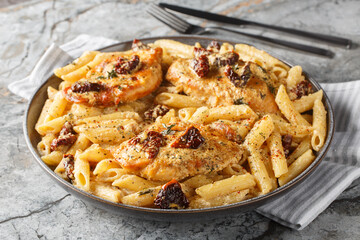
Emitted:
pixel 347 43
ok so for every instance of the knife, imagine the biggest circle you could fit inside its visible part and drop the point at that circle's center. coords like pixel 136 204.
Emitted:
pixel 343 42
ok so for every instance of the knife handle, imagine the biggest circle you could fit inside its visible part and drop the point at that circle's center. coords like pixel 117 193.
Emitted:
pixel 298 46
pixel 318 36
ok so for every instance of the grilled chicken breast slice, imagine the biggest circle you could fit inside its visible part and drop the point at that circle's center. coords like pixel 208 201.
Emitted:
pixel 253 87
pixel 119 79
pixel 177 151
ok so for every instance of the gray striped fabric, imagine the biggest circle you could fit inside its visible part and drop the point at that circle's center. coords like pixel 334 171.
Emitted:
pixel 301 205
pixel 297 208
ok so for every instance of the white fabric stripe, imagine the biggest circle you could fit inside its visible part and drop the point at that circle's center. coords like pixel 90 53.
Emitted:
pixel 299 215
pixel 295 199
pixel 327 177
pixel 298 207
pixel 332 193
pixel 56 57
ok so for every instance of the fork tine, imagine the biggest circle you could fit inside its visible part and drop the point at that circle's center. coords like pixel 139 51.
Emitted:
pixel 169 19
pixel 170 16
pixel 166 18
pixel 176 28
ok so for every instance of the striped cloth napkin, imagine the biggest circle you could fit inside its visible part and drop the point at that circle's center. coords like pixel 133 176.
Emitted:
pixel 302 204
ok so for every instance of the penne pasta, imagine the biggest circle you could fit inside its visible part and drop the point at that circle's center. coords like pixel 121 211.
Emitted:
pixel 297 167
pixel 319 125
pixel 206 125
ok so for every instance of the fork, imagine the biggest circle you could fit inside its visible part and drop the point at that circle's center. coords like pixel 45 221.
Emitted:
pixel 184 27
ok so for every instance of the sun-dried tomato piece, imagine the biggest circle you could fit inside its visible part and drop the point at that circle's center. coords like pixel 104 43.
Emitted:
pixel 67 129
pixel 126 66
pixel 69 166
pixel 192 138
pixel 303 88
pixel 229 58
pixel 83 87
pixel 201 66
pixel 157 111
pixel 66 137
pixel 171 196
pixel 236 79
pixel 213 46
pixel 233 76
pixel 134 141
pixel 286 143
pixel 138 45
pixel 152 144
pixel 198 52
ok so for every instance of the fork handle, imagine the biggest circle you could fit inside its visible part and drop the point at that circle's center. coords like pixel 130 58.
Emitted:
pixel 298 46
pixel 318 36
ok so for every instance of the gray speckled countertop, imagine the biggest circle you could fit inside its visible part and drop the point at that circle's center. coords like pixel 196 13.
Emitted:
pixel 33 207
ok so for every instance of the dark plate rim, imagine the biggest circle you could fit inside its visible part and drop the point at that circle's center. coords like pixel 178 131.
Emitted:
pixel 291 184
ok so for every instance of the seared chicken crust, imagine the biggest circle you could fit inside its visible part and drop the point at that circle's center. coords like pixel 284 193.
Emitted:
pixel 119 79
pixel 174 162
pixel 216 89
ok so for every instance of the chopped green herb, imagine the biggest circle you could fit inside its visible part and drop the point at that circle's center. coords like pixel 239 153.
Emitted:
pixel 168 130
pixel 271 88
pixel 262 69
pixel 100 77
pixel 262 95
pixel 112 74
pixel 146 191
pixel 240 101
pixel 120 88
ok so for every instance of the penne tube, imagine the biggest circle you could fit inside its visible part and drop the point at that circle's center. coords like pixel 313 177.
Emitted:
pixel 95 154
pixel 226 186
pixel 53 158
pixel 319 125
pixel 230 198
pixel 197 181
pixel 82 142
pixel 278 160
pixel 81 172
pixel 259 171
pixel 111 116
pixel 105 165
pixel 54 126
pixel 106 191
pixel 297 167
pixel 44 146
pixel 186 113
pixel 144 198
pixel 133 183
pixel 294 77
pixel 205 115
pixel 306 103
pixel 175 48
pixel 177 100
pixel 287 108
pixel 111 175
pixel 304 145
pixel 259 133
pixel 82 111
pixel 81 72
pixel 85 58
pixel 57 107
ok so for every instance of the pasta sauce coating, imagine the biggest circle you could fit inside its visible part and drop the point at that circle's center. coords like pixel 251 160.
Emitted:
pixel 218 127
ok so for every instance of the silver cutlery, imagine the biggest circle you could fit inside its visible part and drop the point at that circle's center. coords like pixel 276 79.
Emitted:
pixel 343 42
pixel 184 27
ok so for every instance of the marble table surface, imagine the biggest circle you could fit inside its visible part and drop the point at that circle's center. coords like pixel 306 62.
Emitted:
pixel 32 206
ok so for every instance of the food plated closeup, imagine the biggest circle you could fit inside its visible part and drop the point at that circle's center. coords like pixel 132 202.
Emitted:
pixel 179 125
